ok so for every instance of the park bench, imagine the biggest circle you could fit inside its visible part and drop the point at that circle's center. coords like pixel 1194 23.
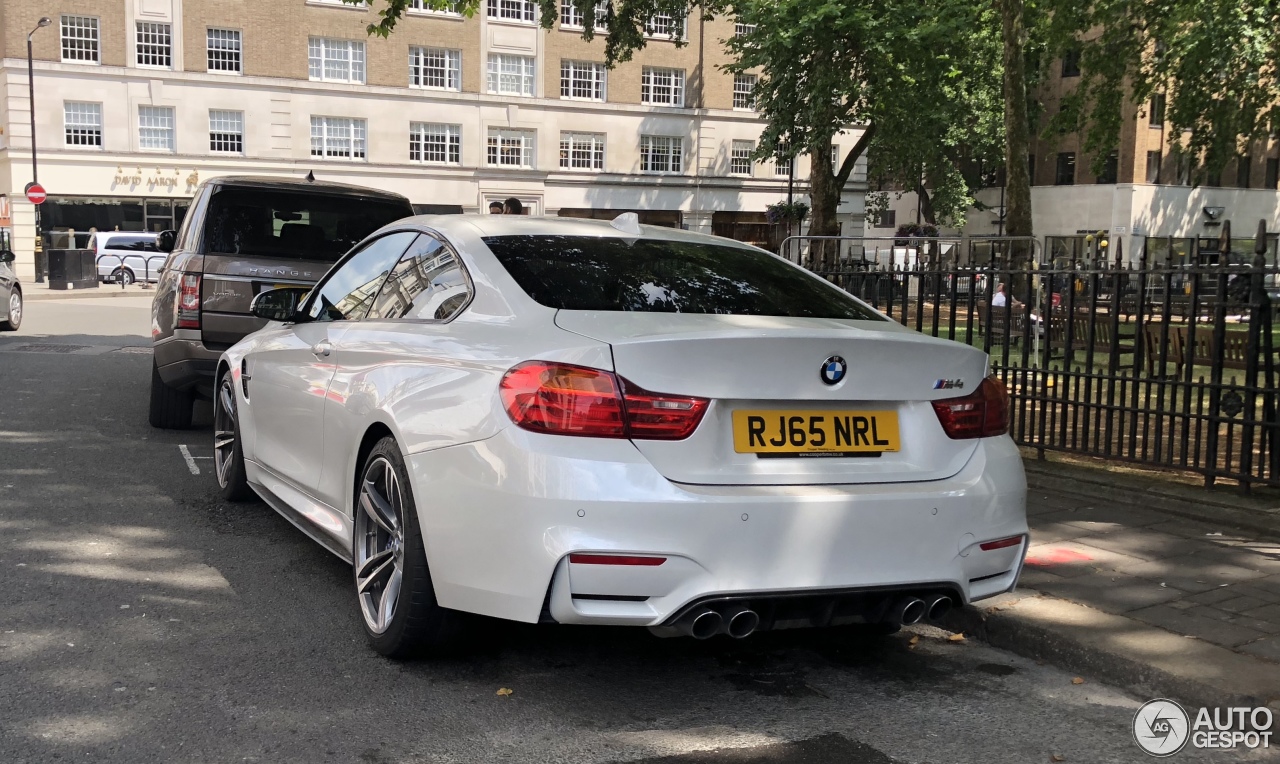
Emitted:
pixel 1235 350
pixel 1003 325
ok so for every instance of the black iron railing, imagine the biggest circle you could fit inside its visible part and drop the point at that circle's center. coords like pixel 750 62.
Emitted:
pixel 1168 363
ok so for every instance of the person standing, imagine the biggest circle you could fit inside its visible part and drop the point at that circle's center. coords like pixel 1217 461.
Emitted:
pixel 512 206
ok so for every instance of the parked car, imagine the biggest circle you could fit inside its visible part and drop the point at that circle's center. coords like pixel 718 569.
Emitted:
pixel 131 255
pixel 10 294
pixel 583 422
pixel 244 235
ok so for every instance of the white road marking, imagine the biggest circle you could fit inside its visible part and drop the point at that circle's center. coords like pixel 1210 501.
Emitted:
pixel 191 462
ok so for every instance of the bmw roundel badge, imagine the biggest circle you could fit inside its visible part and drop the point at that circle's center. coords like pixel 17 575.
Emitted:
pixel 833 370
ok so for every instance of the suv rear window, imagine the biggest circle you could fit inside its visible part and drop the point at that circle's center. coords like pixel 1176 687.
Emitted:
pixel 293 225
pixel 656 276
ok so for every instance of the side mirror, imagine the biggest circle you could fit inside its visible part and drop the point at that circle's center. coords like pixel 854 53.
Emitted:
pixel 165 240
pixel 7 256
pixel 279 304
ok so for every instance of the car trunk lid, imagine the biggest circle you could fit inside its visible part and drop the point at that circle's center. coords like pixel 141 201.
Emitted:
pixel 772 367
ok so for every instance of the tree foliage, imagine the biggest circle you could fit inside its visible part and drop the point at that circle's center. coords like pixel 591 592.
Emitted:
pixel 1214 61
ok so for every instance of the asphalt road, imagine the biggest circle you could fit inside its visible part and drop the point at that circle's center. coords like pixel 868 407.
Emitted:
pixel 142 619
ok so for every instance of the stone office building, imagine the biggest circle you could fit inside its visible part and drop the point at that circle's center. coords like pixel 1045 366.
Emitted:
pixel 137 101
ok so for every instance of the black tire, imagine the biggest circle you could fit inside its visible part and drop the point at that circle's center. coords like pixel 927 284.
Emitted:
pixel 170 408
pixel 129 278
pixel 418 626
pixel 9 320
pixel 228 458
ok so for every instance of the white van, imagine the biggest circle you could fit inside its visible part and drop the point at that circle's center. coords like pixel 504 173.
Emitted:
pixel 132 252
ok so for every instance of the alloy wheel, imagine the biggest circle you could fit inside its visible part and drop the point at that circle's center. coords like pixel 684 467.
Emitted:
pixel 379 544
pixel 15 309
pixel 224 432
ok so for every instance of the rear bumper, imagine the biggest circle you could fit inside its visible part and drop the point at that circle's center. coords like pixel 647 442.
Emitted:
pixel 501 516
pixel 185 363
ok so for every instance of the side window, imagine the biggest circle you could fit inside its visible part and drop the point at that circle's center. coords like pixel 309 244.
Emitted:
pixel 427 284
pixel 348 290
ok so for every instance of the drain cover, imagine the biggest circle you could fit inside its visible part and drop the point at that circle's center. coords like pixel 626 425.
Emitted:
pixel 144 350
pixel 49 348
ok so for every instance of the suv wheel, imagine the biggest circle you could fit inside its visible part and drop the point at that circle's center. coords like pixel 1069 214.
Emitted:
pixel 11 314
pixel 128 276
pixel 170 409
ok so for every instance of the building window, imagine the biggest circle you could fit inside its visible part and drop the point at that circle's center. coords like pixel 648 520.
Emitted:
pixel 1153 166
pixel 510 74
pixel 82 123
pixel 155 44
pixel 1273 173
pixel 782 164
pixel 80 39
pixel 435 68
pixel 331 60
pixel 1066 170
pixel 155 128
pixel 1244 165
pixel 1155 114
pixel 571 18
pixel 223 47
pixel 1110 170
pixel 513 10
pixel 661 153
pixel 740 158
pixel 1071 63
pixel 835 157
pixel 581 151
pixel 885 219
pixel 1213 178
pixel 744 87
pixel 226 131
pixel 510 148
pixel 742 30
pixel 1031 169
pixel 662 87
pixel 338 138
pixel 582 80
pixel 1184 170
pixel 664 25
pixel 435 144
pixel 421 7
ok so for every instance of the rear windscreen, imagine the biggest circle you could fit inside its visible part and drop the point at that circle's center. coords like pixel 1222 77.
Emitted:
pixel 292 225
pixel 612 274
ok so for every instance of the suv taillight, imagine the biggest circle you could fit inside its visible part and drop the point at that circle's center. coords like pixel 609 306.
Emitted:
pixel 981 414
pixel 189 301
pixel 563 399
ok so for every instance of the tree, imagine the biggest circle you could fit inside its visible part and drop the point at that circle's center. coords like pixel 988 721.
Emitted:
pixel 909 71
pixel 1016 125
pixel 1213 61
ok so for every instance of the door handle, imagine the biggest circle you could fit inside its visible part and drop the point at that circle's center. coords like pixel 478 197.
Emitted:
pixel 322 348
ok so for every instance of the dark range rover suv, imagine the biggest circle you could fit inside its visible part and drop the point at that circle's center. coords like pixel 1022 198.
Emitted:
pixel 241 236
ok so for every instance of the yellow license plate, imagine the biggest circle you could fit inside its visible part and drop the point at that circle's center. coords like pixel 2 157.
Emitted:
pixel 815 432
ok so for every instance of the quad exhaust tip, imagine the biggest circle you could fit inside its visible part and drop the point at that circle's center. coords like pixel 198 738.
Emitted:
pixel 703 623
pixel 908 610
pixel 939 608
pixel 740 622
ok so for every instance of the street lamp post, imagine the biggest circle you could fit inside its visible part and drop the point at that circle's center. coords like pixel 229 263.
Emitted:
pixel 31 97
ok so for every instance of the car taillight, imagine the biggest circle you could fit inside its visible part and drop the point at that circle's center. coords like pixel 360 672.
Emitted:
pixel 982 414
pixel 563 399
pixel 189 301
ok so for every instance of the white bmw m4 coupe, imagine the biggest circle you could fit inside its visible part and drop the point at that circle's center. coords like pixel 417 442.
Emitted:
pixel 589 422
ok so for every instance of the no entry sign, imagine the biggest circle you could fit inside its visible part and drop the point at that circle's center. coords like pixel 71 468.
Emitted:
pixel 36 193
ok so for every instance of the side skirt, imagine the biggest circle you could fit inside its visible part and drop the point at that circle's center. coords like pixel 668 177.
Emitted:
pixel 324 524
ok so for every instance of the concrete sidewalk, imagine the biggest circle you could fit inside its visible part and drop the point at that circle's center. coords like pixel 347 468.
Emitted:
pixel 1166 589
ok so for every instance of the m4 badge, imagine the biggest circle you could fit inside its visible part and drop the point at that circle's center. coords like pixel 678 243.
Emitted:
pixel 949 384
